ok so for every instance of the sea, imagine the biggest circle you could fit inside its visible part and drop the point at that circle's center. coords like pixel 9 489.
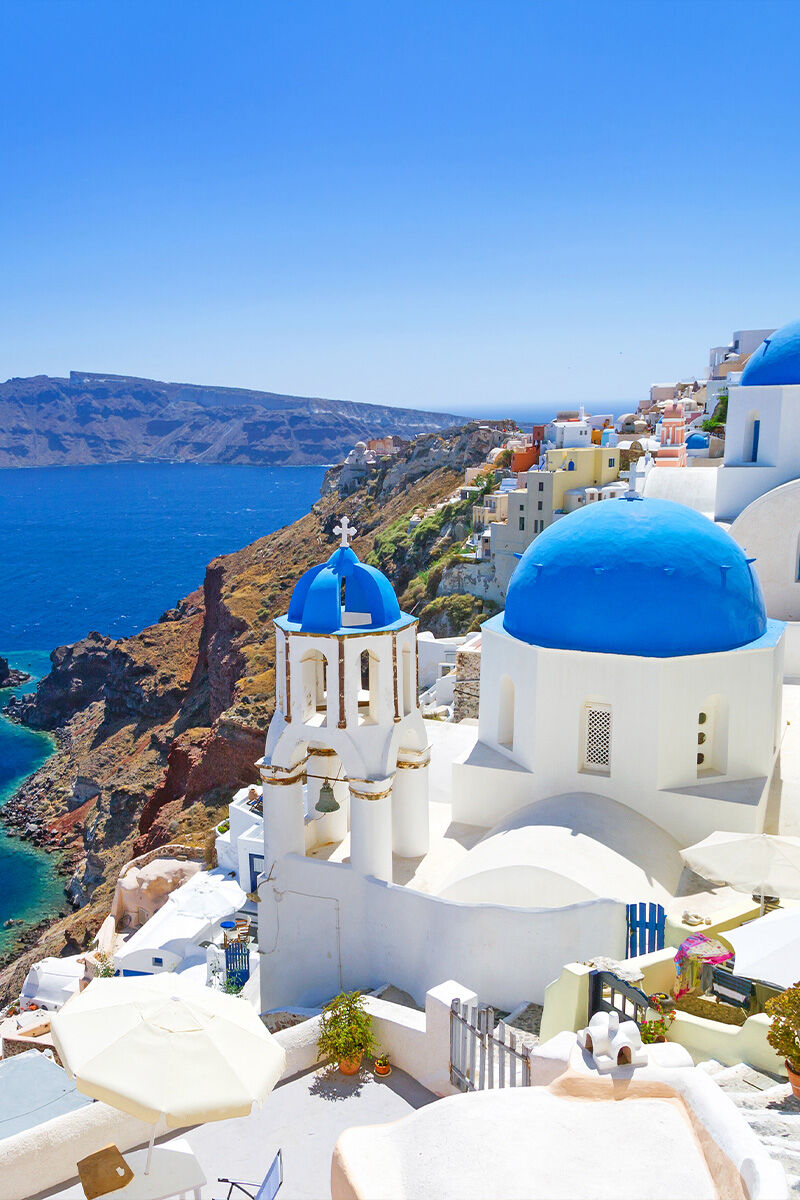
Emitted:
pixel 109 548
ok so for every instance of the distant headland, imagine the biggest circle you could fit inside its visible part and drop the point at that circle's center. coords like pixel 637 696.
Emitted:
pixel 93 418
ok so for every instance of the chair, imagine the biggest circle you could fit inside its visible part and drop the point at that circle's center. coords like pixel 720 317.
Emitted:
pixel 268 1189
pixel 733 989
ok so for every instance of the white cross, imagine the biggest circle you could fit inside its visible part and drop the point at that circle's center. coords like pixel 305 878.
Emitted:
pixel 346 530
pixel 634 475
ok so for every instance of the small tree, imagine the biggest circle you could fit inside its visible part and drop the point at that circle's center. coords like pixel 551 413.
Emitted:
pixel 784 1032
pixel 346 1028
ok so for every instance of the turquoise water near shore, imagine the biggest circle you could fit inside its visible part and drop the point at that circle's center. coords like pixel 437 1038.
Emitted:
pixel 31 888
pixel 109 548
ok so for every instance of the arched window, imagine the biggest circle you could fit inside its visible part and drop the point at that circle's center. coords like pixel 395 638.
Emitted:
pixel 368 697
pixel 570 465
pixel 505 713
pixel 752 431
pixel 314 696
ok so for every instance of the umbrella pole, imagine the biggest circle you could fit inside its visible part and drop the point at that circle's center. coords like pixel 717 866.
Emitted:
pixel 763 904
pixel 150 1149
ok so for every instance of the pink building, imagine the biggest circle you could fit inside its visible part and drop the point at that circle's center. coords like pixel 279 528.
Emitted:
pixel 672 451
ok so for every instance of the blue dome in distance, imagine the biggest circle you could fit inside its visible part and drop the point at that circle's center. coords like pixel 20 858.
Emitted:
pixel 343 585
pixel 777 359
pixel 697 441
pixel 645 577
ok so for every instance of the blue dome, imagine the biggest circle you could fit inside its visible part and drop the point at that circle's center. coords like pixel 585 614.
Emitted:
pixel 645 577
pixel 325 594
pixel 697 441
pixel 777 359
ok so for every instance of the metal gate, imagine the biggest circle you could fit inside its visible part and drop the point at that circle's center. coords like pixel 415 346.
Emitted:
pixel 237 963
pixel 481 1058
pixel 608 993
pixel 645 928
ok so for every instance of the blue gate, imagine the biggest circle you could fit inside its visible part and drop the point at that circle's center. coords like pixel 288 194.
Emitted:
pixel 237 963
pixel 645 928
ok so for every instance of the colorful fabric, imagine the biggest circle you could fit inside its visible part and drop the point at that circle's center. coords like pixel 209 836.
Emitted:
pixel 693 953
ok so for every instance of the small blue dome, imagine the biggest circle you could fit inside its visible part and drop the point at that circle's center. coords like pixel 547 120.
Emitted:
pixel 645 577
pixel 777 359
pixel 324 594
pixel 697 441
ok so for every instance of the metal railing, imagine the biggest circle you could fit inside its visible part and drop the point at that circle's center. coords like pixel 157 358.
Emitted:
pixel 482 1058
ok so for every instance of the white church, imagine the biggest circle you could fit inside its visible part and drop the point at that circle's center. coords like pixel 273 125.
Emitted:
pixel 630 704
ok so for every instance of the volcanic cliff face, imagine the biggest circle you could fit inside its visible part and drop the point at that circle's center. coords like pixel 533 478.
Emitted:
pixel 91 418
pixel 155 732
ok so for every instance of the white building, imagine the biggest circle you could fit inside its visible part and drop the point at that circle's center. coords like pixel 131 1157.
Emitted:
pixel 629 705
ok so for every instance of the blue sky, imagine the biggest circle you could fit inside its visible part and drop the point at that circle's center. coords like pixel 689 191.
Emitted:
pixel 486 207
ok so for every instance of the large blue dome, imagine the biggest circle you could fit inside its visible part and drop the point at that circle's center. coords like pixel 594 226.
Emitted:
pixel 777 359
pixel 645 577
pixel 342 595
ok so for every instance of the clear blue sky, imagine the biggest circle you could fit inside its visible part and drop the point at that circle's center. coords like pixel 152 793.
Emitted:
pixel 496 206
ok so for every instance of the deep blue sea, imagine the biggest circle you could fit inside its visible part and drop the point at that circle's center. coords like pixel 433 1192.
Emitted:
pixel 110 548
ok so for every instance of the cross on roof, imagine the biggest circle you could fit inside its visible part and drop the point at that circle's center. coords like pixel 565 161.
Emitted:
pixel 346 530
pixel 634 475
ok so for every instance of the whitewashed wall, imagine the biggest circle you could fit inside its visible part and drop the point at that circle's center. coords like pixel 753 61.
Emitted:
pixel 655 705
pixel 323 927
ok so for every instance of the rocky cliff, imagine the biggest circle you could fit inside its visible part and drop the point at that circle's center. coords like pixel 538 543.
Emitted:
pixel 155 732
pixel 92 418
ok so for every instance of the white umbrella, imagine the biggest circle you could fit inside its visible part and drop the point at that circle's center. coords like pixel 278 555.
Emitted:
pixel 212 897
pixel 760 863
pixel 167 1051
pixel 769 947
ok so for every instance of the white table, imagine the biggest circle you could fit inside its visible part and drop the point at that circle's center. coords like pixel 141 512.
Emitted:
pixel 174 1171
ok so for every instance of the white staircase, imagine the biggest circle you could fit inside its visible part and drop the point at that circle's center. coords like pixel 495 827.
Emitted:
pixel 767 1104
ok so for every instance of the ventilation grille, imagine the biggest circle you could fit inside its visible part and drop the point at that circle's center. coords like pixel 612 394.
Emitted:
pixel 598 738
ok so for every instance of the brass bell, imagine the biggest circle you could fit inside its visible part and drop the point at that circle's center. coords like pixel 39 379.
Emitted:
pixel 327 802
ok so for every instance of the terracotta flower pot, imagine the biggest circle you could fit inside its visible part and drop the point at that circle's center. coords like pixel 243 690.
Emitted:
pixel 794 1080
pixel 383 1069
pixel 350 1066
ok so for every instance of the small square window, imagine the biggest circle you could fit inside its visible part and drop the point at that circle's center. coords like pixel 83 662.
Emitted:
pixel 158 962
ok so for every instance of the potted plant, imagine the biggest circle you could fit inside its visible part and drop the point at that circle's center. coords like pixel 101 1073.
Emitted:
pixel 654 1029
pixel 345 1033
pixel 382 1065
pixel 784 1031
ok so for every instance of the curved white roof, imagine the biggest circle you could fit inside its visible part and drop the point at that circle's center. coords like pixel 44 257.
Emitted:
pixel 577 846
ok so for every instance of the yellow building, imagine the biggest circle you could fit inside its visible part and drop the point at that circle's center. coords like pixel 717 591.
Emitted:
pixel 570 479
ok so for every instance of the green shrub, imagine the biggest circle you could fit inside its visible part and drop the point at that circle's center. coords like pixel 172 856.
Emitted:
pixel 784 1032
pixel 346 1028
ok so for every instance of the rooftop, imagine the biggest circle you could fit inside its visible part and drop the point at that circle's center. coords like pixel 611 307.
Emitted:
pixel 303 1118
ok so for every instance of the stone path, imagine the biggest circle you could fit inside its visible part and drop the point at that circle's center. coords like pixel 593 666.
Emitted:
pixel 767 1104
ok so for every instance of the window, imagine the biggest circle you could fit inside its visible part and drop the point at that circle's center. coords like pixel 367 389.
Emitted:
pixel 505 713
pixel 158 962
pixel 521 524
pixel 570 465
pixel 712 737
pixel 597 739
pixel 541 487
pixel 539 506
pixel 370 690
pixel 611 462
pixel 752 431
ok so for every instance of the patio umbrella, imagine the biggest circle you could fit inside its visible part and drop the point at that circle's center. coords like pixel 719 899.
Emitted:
pixel 760 863
pixel 769 947
pixel 211 897
pixel 166 1051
